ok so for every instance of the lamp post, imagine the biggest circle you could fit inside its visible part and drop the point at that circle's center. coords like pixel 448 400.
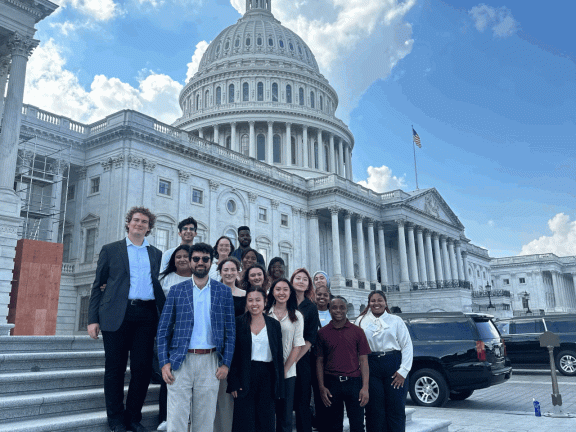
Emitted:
pixel 488 289
pixel 525 301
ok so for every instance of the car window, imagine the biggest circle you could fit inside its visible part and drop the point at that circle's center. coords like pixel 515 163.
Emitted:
pixel 487 330
pixel 427 329
pixel 561 326
pixel 504 328
pixel 527 326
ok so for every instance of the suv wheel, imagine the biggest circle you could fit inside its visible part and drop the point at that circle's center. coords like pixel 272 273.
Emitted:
pixel 566 362
pixel 460 395
pixel 428 388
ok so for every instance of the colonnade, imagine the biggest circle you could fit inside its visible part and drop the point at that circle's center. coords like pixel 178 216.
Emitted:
pixel 308 146
pixel 427 259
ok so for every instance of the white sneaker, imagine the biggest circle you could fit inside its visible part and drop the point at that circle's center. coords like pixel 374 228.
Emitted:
pixel 163 426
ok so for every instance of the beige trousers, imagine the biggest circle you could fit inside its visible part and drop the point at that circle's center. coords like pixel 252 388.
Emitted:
pixel 194 394
pixel 224 409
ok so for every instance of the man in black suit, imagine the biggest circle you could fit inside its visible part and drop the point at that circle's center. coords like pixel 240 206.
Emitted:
pixel 127 311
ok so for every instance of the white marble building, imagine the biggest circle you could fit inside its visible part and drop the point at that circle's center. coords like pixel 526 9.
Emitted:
pixel 258 144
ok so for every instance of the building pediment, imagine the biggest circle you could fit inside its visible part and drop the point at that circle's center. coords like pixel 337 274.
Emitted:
pixel 90 218
pixel 429 201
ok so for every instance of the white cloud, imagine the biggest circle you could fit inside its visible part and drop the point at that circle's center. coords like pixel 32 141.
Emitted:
pixel 491 223
pixel 500 20
pixel 196 58
pixel 69 27
pixel 382 180
pixel 562 242
pixel 356 42
pixel 99 10
pixel 50 86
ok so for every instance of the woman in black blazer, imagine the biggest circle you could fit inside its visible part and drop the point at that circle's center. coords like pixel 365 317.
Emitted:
pixel 256 377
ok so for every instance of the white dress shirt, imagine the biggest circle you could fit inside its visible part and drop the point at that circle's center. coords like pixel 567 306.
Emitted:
pixel 202 330
pixel 172 279
pixel 292 336
pixel 261 347
pixel 387 333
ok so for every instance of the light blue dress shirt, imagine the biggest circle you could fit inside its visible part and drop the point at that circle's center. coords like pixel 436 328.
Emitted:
pixel 140 273
pixel 202 331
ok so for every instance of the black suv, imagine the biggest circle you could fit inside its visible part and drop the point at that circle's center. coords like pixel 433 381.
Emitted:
pixel 522 337
pixel 454 354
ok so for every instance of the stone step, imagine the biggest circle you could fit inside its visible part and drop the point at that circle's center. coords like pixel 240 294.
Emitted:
pixel 94 421
pixel 43 405
pixel 39 362
pixel 23 344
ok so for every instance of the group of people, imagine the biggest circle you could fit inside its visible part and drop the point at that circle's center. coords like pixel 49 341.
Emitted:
pixel 240 347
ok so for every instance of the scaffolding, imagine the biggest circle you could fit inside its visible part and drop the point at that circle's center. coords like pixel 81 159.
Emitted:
pixel 41 181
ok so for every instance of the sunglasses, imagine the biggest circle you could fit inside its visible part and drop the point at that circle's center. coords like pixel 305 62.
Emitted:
pixel 204 259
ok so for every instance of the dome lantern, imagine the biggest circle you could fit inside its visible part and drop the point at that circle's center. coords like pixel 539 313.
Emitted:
pixel 258 5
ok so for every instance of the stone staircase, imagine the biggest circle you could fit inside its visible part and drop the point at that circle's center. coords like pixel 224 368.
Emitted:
pixel 55 383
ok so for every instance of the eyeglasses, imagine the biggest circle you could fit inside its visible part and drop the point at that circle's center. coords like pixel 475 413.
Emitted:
pixel 189 229
pixel 204 259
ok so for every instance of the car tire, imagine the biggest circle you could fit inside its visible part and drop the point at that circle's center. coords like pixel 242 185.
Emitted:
pixel 566 362
pixel 460 395
pixel 428 388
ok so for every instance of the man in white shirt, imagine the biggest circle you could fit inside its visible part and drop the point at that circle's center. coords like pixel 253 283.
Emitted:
pixel 187 231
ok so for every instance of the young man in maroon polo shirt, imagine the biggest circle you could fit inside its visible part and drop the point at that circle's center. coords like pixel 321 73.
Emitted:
pixel 342 369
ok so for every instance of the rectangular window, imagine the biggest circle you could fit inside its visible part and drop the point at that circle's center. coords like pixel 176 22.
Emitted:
pixel 162 239
pixel 522 280
pixel 284 220
pixel 89 245
pixel 506 281
pixel 286 259
pixel 94 185
pixel 164 187
pixel 262 214
pixel 83 318
pixel 197 196
pixel 67 241
pixel 71 192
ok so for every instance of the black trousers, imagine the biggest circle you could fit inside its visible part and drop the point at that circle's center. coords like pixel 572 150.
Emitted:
pixel 344 392
pixel 254 411
pixel 303 394
pixel 284 407
pixel 319 408
pixel 135 337
pixel 385 411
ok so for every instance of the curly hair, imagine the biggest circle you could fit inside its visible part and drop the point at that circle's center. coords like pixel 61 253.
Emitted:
pixel 146 212
pixel 245 283
pixel 310 293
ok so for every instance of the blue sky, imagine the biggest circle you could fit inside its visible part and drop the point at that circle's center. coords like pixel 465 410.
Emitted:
pixel 490 88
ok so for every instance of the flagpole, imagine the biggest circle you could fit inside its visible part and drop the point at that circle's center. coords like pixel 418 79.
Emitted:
pixel 415 169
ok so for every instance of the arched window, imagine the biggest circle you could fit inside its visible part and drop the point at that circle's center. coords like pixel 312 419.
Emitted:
pixel 231 234
pixel 288 93
pixel 206 94
pixel 231 93
pixel 316 154
pixel 228 142
pixel 274 92
pixel 321 104
pixel 260 91
pixel 311 99
pixel 245 141
pixel 245 92
pixel 293 151
pixel 218 95
pixel 276 149
pixel 197 102
pixel 301 96
pixel 261 147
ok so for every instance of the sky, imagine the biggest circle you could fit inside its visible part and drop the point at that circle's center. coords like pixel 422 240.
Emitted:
pixel 490 88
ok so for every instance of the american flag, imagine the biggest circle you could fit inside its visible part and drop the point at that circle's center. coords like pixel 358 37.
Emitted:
pixel 416 138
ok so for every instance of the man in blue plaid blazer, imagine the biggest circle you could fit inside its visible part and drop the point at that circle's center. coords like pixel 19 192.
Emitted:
pixel 196 336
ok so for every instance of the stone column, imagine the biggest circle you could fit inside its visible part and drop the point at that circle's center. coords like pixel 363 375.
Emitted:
pixel 429 257
pixel 269 146
pixel 349 249
pixel 413 264
pixel 4 70
pixel 360 242
pixel 558 297
pixel 305 153
pixel 465 264
pixel 337 271
pixel 453 265
pixel 340 157
pixel 459 263
pixel 372 252
pixel 382 248
pixel 332 167
pixel 321 157
pixel 233 141
pixel 421 255
pixel 437 258
pixel 349 163
pixel 289 144
pixel 252 148
pixel 314 242
pixel 404 277
pixel 217 134
pixel 445 259
pixel 201 133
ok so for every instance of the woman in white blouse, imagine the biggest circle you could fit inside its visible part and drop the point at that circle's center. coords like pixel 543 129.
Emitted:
pixel 283 306
pixel 389 363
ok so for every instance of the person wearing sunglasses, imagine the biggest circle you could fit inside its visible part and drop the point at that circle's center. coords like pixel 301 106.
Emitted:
pixel 196 337
pixel 187 232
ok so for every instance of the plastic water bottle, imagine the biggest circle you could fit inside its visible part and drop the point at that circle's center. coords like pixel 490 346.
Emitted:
pixel 537 412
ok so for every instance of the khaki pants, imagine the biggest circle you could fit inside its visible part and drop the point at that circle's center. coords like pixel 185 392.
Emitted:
pixel 194 394
pixel 224 409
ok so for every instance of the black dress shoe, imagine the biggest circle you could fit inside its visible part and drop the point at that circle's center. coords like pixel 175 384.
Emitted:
pixel 118 428
pixel 137 427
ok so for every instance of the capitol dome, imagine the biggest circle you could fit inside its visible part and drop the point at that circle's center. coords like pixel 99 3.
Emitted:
pixel 258 91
